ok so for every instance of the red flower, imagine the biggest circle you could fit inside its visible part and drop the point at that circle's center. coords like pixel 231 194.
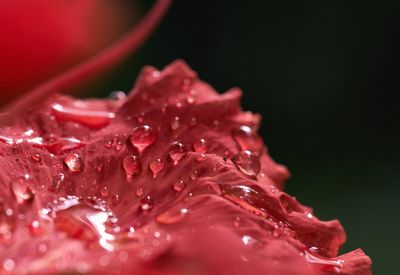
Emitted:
pixel 172 179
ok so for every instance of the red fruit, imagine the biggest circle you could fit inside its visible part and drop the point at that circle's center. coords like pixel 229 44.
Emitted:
pixel 107 214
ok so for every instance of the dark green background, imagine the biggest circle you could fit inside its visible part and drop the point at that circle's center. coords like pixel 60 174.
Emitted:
pixel 325 76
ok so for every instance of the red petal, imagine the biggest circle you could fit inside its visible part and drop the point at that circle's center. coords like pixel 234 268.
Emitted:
pixel 149 199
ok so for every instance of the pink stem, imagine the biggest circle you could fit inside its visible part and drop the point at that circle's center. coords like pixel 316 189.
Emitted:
pixel 87 70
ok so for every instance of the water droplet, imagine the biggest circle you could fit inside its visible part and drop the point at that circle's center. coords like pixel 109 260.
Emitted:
pixel 247 240
pixel 156 166
pixel 55 145
pixel 247 139
pixel 36 157
pixel 248 163
pixel 35 228
pixel 117 95
pixel 139 192
pixel 84 222
pixel 7 224
pixel 8 264
pixel 58 182
pixel 200 146
pixel 123 256
pixel 6 140
pixel 114 142
pixel 42 248
pixel 22 192
pixel 322 263
pixel 140 117
pixel 192 122
pixel 175 123
pixel 176 152
pixel 116 199
pixel 194 175
pixel 236 222
pixel 74 163
pixel 190 99
pixel 201 157
pixel 147 203
pixel 82 115
pixel 104 191
pixel 132 166
pixel 215 124
pixel 275 233
pixel 142 137
pixel 172 216
pixel 108 144
pixel 179 185
pixel 186 85
pixel 247 197
pixel 104 261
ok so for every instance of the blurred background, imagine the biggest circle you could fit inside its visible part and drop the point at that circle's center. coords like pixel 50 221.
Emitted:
pixel 325 75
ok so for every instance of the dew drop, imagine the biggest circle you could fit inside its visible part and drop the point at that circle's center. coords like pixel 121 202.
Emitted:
pixel 156 166
pixel 195 175
pixel 322 263
pixel 248 163
pixel 7 224
pixel 58 182
pixel 6 140
pixel 74 163
pixel 142 137
pixel 36 157
pixel 108 144
pixel 104 261
pixel 104 191
pixel 200 146
pixel 215 124
pixel 117 95
pixel 83 115
pixel 236 222
pixel 192 122
pixel 190 99
pixel 56 145
pixel 201 157
pixel 116 199
pixel 146 203
pixel 83 222
pixel 42 248
pixel 179 185
pixel 140 118
pixel 132 166
pixel 247 139
pixel 22 192
pixel 8 264
pixel 186 85
pixel 175 123
pixel 176 152
pixel 139 192
pixel 275 233
pixel 35 228
pixel 247 240
pixel 172 216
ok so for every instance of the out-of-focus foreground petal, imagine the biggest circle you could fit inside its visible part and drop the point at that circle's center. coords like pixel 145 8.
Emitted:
pixel 42 38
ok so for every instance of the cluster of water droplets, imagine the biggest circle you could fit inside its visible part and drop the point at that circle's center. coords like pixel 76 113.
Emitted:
pixel 250 145
pixel 93 222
